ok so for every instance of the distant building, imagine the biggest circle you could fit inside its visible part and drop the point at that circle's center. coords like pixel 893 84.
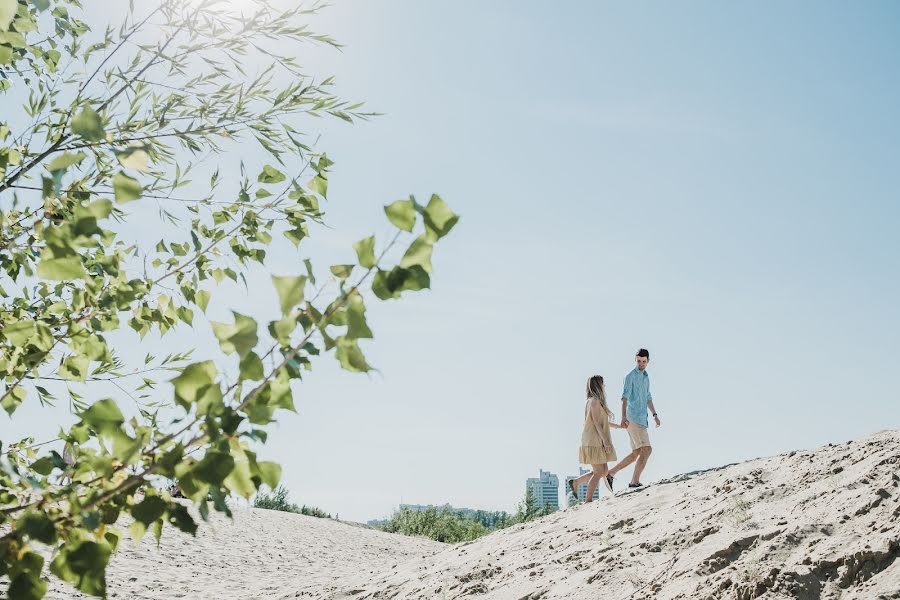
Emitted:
pixel 582 489
pixel 544 490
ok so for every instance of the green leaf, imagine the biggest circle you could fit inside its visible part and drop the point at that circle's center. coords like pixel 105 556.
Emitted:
pixel 439 219
pixel 61 163
pixel 350 356
pixel 341 271
pixel 402 214
pixel 251 367
pixel 27 586
pixel 12 399
pixel 193 382
pixel 126 188
pixel 240 479
pixel 270 174
pixel 75 367
pixel 356 318
pixel 112 537
pixel 269 473
pixel 83 563
pixel 180 518
pixel 20 332
pixel 103 416
pixel 282 329
pixel 365 252
pixel 202 299
pixel 125 448
pixel 419 253
pixel 134 157
pixel 290 291
pixel 319 185
pixel 309 271
pixel 58 269
pixel 149 510
pixel 88 125
pixel 389 284
pixel 99 209
pixel 8 10
pixel 240 336
pixel 214 467
pixel 37 526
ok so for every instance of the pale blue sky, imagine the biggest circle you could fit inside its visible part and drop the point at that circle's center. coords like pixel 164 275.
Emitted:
pixel 715 182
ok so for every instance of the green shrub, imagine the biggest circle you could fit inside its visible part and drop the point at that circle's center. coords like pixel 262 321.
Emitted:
pixel 277 499
pixel 441 525
pixel 452 526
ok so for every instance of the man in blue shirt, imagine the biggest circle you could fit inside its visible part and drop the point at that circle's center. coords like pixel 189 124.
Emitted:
pixel 636 400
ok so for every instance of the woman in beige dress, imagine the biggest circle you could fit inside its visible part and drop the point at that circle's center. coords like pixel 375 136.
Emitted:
pixel 596 444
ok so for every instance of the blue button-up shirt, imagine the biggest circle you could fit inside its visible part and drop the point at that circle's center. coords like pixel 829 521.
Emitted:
pixel 637 393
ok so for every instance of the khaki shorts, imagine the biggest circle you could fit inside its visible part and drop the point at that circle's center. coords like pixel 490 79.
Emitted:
pixel 638 436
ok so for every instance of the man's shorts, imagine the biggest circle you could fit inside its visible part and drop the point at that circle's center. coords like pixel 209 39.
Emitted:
pixel 638 436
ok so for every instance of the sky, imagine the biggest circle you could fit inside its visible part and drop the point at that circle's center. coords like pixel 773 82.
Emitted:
pixel 716 182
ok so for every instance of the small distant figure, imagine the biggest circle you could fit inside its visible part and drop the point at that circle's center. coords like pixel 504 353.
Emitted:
pixel 175 490
pixel 636 401
pixel 596 443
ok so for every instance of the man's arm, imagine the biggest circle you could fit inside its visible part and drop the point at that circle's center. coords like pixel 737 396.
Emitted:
pixel 624 411
pixel 653 412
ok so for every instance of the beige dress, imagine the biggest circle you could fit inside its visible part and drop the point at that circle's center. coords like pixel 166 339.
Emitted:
pixel 592 451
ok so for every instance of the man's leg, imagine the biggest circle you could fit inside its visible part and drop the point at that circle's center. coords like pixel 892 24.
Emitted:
pixel 625 462
pixel 641 463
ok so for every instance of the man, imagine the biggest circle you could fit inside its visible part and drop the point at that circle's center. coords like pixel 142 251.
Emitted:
pixel 636 400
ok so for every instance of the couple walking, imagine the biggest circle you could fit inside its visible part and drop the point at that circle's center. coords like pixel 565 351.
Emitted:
pixel 596 444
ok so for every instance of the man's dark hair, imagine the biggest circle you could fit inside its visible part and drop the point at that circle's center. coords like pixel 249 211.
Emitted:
pixel 644 353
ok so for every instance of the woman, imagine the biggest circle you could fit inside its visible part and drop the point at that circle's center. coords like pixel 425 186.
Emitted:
pixel 596 444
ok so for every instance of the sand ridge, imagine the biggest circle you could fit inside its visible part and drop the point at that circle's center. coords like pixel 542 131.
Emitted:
pixel 260 554
pixel 815 525
pixel 810 524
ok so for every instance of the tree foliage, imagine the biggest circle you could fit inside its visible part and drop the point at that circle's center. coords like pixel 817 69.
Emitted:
pixel 277 499
pixel 98 131
pixel 435 523
pixel 445 524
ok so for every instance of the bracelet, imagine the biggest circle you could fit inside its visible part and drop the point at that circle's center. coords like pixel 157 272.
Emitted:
pixel 654 414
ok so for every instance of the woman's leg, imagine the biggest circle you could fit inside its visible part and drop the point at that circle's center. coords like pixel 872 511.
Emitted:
pixel 597 474
pixel 581 479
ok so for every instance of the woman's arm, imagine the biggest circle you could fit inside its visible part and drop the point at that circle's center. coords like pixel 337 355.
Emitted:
pixel 597 415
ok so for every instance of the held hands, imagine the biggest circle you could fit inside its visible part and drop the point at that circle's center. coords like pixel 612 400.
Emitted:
pixel 624 424
pixel 658 422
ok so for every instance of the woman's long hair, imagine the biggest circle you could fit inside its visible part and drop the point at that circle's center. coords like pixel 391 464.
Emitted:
pixel 596 390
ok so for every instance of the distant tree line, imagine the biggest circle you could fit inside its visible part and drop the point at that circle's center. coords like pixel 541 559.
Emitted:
pixel 452 526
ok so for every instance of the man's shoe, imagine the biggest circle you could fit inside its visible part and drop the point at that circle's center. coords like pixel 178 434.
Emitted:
pixel 608 480
pixel 635 485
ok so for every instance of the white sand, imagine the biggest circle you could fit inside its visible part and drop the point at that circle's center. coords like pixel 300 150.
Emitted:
pixel 811 525
pixel 261 554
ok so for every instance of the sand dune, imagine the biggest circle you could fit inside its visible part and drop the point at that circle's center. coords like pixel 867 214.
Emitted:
pixel 261 554
pixel 809 524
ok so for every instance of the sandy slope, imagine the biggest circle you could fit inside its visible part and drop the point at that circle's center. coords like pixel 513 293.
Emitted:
pixel 811 525
pixel 261 554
